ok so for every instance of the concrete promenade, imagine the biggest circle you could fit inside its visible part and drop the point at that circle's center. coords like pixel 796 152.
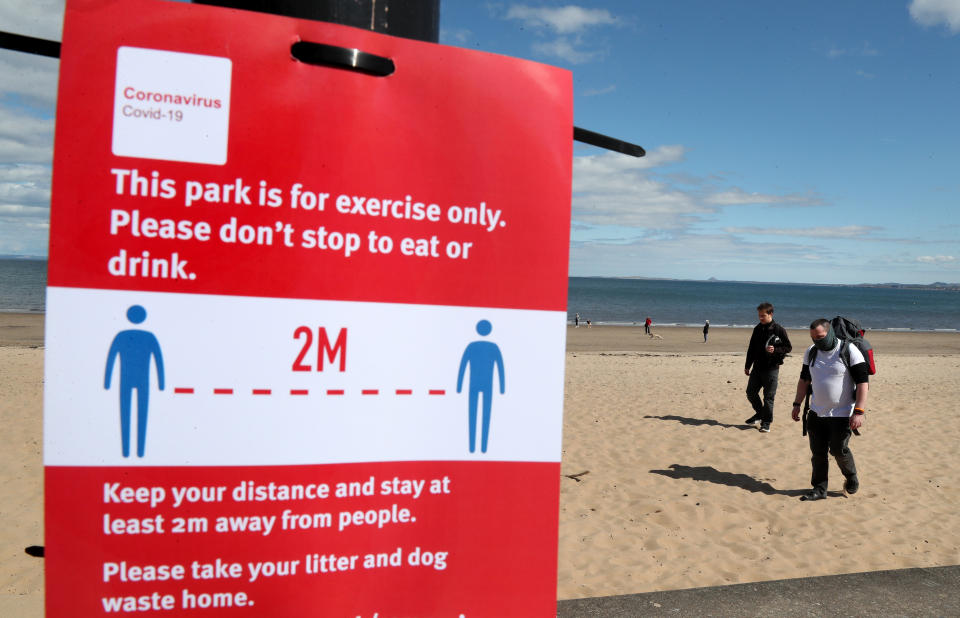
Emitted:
pixel 902 592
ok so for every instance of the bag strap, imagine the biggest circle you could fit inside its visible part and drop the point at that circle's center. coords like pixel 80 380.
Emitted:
pixel 844 353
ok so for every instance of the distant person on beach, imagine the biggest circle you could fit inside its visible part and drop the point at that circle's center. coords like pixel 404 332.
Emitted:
pixel 839 380
pixel 647 325
pixel 768 345
pixel 706 329
pixel 576 321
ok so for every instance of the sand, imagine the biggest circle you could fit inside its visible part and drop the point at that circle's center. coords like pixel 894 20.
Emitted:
pixel 21 459
pixel 680 493
pixel 663 487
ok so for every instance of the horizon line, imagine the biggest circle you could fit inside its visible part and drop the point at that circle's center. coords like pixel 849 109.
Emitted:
pixel 885 284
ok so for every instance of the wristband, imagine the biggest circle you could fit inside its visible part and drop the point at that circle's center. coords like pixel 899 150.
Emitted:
pixel 858 411
pixel 797 403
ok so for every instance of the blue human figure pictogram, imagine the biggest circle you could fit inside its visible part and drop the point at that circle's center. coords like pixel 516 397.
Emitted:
pixel 482 357
pixel 135 348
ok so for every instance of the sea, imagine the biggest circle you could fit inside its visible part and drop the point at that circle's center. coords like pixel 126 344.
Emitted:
pixel 22 286
pixel 733 304
pixel 626 302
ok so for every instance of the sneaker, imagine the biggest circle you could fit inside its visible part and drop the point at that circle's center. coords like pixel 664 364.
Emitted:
pixel 816 494
pixel 852 485
pixel 765 427
pixel 752 420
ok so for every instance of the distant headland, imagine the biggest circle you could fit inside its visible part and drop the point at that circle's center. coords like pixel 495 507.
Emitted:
pixel 936 285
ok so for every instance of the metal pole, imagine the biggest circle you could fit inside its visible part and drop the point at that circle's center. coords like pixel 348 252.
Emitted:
pixel 412 19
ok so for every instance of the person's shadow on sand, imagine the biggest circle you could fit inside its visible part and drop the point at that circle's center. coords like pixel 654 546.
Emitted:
pixel 731 479
pixel 685 420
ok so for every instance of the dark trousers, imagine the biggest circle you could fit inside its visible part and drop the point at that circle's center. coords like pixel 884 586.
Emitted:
pixel 831 435
pixel 765 378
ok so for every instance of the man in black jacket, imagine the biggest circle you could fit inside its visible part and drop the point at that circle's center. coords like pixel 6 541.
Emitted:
pixel 768 345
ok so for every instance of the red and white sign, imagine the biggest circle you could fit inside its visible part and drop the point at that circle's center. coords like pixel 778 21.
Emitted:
pixel 305 326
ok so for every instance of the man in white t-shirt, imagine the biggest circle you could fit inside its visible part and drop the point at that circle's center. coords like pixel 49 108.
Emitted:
pixel 837 404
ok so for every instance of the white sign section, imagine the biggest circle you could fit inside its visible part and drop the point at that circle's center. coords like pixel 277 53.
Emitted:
pixel 169 375
pixel 171 106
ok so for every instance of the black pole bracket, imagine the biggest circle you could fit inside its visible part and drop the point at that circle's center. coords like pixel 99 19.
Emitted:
pixel 607 142
pixel 29 45
pixel 342 58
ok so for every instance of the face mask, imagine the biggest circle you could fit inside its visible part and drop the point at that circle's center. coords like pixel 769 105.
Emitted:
pixel 826 344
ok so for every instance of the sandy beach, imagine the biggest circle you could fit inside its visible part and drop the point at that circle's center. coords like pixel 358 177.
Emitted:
pixel 21 458
pixel 679 493
pixel 663 487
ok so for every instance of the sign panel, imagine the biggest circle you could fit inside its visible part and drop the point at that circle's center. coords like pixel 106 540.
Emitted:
pixel 305 326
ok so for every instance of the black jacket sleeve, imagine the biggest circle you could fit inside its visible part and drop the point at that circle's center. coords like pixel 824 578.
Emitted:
pixel 751 348
pixel 860 373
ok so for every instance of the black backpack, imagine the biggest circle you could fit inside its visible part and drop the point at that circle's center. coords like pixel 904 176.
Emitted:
pixel 849 331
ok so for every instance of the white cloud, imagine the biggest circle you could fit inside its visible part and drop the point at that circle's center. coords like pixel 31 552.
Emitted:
pixel 31 77
pixel 865 50
pixel 595 92
pixel 936 12
pixel 26 194
pixel 456 36
pixel 725 256
pixel 42 19
pixel 737 196
pixel 846 231
pixel 23 237
pixel 614 163
pixel 569 24
pixel 27 105
pixel 25 173
pixel 25 138
pixel 563 20
pixel 18 210
pixel 613 189
pixel 24 209
pixel 563 49
pixel 698 256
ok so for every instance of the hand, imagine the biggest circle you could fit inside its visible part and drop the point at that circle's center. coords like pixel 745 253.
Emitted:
pixel 770 349
pixel 796 413
pixel 746 372
pixel 856 421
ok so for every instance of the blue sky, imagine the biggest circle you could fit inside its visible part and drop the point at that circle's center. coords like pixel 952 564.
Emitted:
pixel 787 141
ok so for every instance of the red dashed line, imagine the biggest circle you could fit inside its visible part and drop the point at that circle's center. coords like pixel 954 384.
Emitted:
pixel 189 390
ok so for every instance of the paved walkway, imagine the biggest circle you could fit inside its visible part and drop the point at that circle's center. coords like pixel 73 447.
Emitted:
pixel 903 592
